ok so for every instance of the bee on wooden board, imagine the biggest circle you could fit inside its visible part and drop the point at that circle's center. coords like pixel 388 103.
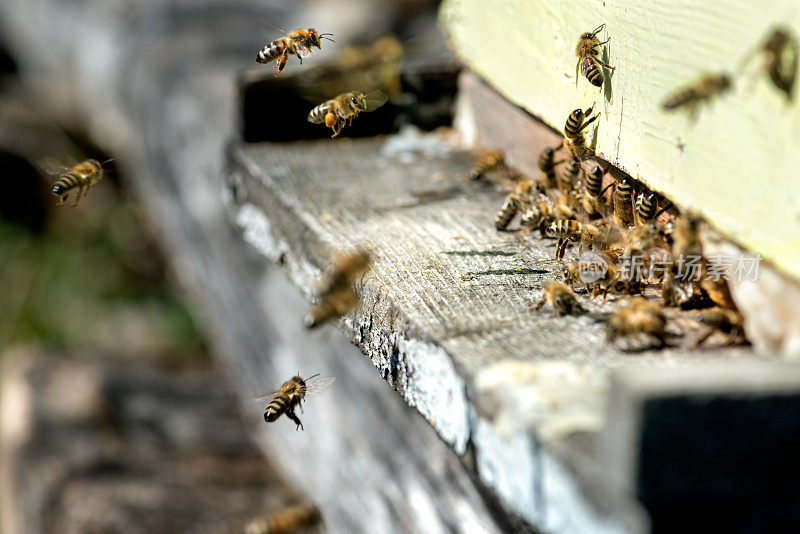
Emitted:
pixel 515 202
pixel 574 137
pixel 704 90
pixel 729 322
pixel 290 519
pixel 297 43
pixel 547 166
pixel 560 299
pixel 641 322
pixel 340 111
pixel 487 162
pixel 593 200
pixel 337 295
pixel 780 51
pixel 79 179
pixel 588 61
pixel 289 397
pixel 567 230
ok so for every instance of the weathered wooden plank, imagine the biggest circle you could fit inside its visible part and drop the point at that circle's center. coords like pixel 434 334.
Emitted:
pixel 734 165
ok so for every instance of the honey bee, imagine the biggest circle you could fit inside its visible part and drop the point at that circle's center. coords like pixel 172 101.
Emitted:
pixel 723 320
pixel 574 137
pixel 487 162
pixel 570 176
pixel 704 90
pixel 336 293
pixel 539 215
pixel 622 199
pixel 286 521
pixel 592 272
pixel 646 207
pixel 567 230
pixel 516 201
pixel 340 111
pixel 560 299
pixel 297 43
pixel 80 177
pixel 638 319
pixel 290 395
pixel 547 166
pixel 780 50
pixel 588 61
pixel 593 199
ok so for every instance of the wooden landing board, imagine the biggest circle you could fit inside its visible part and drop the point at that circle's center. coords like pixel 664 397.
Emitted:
pixel 443 277
pixel 736 164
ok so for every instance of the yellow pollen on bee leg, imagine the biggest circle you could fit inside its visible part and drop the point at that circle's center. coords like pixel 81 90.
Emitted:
pixel 330 120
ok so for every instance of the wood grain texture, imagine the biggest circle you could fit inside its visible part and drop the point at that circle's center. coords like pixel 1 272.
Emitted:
pixel 735 165
pixel 446 312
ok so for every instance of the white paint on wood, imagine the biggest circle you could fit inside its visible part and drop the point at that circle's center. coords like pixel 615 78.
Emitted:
pixel 738 162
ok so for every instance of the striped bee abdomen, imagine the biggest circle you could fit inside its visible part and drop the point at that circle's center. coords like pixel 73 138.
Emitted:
pixel 65 183
pixel 507 213
pixel 646 207
pixel 591 70
pixel 271 51
pixel 623 201
pixel 594 181
pixel 572 128
pixel 317 115
pixel 276 408
pixel 564 228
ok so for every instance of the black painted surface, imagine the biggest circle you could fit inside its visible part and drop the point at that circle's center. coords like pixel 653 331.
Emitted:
pixel 721 464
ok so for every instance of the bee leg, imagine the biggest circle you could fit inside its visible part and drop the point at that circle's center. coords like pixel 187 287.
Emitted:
pixel 62 199
pixel 539 305
pixel 78 196
pixel 281 63
pixel 291 415
pixel 700 340
pixel 561 248
pixel 606 65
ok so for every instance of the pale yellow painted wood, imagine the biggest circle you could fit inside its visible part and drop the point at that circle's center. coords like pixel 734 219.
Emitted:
pixel 737 165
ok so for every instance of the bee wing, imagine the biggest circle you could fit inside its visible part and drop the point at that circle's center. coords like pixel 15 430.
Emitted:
pixel 266 396
pixel 317 384
pixel 375 99
pixel 51 166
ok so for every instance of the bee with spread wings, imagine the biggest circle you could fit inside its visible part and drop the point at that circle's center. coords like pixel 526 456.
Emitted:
pixel 338 112
pixel 291 394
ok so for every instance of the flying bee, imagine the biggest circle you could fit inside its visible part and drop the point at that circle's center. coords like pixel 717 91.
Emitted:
pixel 638 319
pixel 622 199
pixel 81 177
pixel 588 61
pixel 723 320
pixel 593 200
pixel 487 162
pixel 290 519
pixel 547 166
pixel 560 299
pixel 574 137
pixel 780 50
pixel 340 111
pixel 336 293
pixel 290 395
pixel 297 43
pixel 708 87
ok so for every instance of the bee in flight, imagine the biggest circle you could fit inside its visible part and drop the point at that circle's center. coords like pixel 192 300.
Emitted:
pixel 702 91
pixel 336 292
pixel 286 399
pixel 290 519
pixel 588 61
pixel 297 43
pixel 79 178
pixel 781 51
pixel 340 111
pixel 574 137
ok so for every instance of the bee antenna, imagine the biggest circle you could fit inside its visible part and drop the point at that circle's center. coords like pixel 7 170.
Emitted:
pixel 325 36
pixel 108 161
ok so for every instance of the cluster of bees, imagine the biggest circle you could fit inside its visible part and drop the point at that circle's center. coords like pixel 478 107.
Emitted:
pixel 632 243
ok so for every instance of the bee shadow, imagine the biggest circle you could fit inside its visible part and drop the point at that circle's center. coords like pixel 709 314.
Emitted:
pixel 608 91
